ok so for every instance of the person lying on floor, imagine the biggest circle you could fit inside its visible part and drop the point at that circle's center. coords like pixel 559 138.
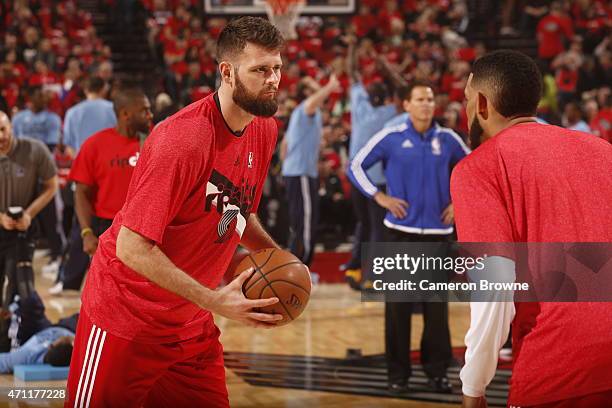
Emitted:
pixel 34 339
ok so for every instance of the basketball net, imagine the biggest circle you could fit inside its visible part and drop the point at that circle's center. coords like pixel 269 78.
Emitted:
pixel 284 15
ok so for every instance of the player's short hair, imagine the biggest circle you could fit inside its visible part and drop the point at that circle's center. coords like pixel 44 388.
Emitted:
pixel 59 355
pixel 95 84
pixel 513 80
pixel 125 96
pixel 407 90
pixel 238 32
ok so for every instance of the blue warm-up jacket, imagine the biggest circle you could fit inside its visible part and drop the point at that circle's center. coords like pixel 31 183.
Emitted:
pixel 417 168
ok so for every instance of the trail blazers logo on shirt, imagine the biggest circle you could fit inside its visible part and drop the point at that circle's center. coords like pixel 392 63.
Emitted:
pixel 231 202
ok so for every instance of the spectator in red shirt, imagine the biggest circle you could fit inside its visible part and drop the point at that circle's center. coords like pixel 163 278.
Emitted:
pixel 552 31
pixel 601 124
pixel 42 75
pixel 363 22
pixel 454 82
pixel 388 15
pixel 567 65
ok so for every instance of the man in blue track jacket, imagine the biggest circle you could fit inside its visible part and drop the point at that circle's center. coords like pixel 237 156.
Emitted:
pixel 417 157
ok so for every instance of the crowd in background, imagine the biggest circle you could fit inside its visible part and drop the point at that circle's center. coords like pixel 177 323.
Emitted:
pixel 55 45
pixel 51 44
pixel 422 40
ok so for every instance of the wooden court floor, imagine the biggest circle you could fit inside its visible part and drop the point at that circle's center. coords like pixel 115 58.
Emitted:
pixel 334 321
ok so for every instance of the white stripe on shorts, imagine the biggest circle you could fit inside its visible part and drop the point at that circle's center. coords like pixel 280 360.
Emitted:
pixel 92 358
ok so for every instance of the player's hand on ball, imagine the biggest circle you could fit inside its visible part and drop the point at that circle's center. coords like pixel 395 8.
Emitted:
pixel 232 303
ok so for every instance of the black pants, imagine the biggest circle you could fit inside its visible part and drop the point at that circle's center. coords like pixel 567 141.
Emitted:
pixel 28 318
pixel 49 229
pixel 48 223
pixel 369 227
pixel 436 350
pixel 75 266
pixel 16 253
pixel 303 200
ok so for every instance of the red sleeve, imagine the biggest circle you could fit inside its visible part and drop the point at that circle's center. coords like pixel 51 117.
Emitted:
pixel 168 170
pixel 83 166
pixel 476 196
pixel 271 145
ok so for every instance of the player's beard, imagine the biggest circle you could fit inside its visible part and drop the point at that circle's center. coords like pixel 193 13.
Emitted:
pixel 476 132
pixel 254 104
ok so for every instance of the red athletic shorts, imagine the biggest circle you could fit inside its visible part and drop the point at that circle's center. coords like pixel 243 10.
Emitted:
pixel 111 372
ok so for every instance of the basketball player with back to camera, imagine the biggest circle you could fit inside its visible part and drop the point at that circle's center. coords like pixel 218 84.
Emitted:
pixel 146 336
pixel 532 183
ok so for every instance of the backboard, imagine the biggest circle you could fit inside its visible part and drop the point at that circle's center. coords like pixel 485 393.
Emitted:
pixel 257 7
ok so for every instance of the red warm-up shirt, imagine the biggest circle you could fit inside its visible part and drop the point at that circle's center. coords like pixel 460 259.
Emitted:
pixel 542 183
pixel 192 192
pixel 106 162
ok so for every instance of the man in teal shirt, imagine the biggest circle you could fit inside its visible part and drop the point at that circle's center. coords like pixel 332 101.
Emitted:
pixel 300 153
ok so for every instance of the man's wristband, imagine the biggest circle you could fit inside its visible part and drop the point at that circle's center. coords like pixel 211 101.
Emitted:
pixel 86 231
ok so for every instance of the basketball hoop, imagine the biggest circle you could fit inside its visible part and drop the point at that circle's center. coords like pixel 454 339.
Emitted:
pixel 284 15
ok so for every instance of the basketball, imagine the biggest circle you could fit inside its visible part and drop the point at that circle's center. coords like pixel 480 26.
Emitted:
pixel 278 274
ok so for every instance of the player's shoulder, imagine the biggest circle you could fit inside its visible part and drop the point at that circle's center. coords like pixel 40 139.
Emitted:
pixel 98 138
pixel 479 162
pixel 194 117
pixel 530 137
pixel 187 133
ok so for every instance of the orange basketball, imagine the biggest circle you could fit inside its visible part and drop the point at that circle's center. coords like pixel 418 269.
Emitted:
pixel 278 274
